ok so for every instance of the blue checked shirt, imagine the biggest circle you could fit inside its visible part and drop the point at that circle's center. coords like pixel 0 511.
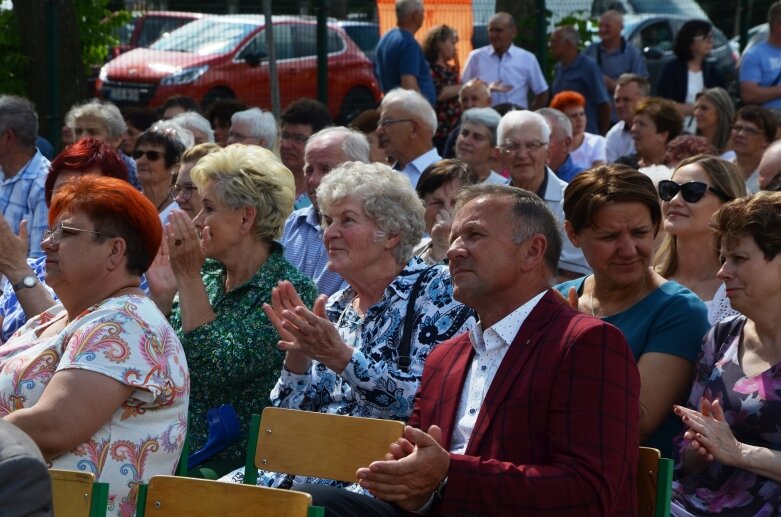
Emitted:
pixel 303 244
pixel 21 197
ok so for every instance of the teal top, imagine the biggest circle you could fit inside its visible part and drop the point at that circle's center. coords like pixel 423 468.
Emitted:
pixel 670 320
pixel 234 359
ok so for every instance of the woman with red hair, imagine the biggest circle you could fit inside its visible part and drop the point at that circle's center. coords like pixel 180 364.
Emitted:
pixel 587 150
pixel 100 381
pixel 26 293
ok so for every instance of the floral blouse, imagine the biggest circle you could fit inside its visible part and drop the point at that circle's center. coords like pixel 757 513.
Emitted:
pixel 234 359
pixel 127 339
pixel 449 111
pixel 372 384
pixel 752 407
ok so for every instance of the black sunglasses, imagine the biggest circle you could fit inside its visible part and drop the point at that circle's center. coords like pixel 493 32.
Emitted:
pixel 691 191
pixel 152 156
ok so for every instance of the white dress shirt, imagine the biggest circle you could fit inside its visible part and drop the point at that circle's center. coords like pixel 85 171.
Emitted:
pixel 490 346
pixel 516 67
pixel 415 168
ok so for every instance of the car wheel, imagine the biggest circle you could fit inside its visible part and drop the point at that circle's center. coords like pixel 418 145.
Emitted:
pixel 215 95
pixel 356 101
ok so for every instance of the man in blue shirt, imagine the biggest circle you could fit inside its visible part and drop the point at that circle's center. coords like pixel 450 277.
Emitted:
pixel 399 60
pixel 760 67
pixel 577 72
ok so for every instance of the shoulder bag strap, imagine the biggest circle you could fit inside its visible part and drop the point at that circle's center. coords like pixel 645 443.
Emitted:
pixel 409 317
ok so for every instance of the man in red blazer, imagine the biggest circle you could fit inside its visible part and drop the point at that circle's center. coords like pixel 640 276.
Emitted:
pixel 533 412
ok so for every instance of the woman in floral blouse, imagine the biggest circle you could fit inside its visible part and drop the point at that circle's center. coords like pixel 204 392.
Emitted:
pixel 439 47
pixel 224 276
pixel 729 460
pixel 351 359
pixel 100 382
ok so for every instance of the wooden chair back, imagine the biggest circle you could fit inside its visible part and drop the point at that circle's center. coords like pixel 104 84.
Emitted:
pixel 321 445
pixel 175 495
pixel 71 493
pixel 647 481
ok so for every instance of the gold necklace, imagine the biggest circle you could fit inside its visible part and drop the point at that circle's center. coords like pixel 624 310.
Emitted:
pixel 637 296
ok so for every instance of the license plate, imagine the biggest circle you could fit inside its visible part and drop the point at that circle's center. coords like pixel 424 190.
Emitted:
pixel 124 94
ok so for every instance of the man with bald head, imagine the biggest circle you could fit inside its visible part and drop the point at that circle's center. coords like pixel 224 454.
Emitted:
pixel 303 236
pixel 513 73
pixel 399 60
pixel 405 130
pixel 613 54
pixel 474 93
pixel 770 164
pixel 578 72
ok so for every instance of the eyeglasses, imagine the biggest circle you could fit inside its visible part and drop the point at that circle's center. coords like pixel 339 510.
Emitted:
pixel 54 235
pixel 705 37
pixel 513 147
pixel 301 139
pixel 186 191
pixel 152 156
pixel 384 122
pixel 750 131
pixel 239 136
pixel 691 191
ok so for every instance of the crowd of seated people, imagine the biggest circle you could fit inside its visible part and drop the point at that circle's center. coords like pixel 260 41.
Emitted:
pixel 533 323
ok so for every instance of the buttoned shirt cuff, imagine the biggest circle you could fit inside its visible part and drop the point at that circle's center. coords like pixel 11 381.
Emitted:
pixel 297 382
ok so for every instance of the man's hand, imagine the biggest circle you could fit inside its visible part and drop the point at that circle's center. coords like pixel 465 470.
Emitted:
pixel 418 465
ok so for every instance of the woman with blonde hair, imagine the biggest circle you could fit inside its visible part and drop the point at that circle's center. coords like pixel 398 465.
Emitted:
pixel 225 271
pixel 698 188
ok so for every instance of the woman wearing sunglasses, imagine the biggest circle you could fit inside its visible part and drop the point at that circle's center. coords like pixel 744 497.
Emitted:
pixel 698 188
pixel 157 154
pixel 612 214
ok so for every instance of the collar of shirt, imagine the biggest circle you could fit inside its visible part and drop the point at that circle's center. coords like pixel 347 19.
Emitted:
pixel 312 217
pixel 275 260
pixel 502 333
pixel 620 50
pixel 423 161
pixel 509 52
pixel 30 169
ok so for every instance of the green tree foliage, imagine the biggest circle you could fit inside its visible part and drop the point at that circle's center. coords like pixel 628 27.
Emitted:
pixel 13 62
pixel 96 28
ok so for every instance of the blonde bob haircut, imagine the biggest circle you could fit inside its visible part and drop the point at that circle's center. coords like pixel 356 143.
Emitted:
pixel 387 198
pixel 249 175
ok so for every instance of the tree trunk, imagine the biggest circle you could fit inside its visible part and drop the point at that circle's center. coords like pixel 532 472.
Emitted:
pixel 56 76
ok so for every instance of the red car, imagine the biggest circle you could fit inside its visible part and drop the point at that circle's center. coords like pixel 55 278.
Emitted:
pixel 226 57
pixel 144 29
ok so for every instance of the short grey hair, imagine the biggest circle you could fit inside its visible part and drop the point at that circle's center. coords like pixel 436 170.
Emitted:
pixel 104 111
pixel 18 114
pixel 405 8
pixel 174 128
pixel 261 123
pixel 249 175
pixel 486 117
pixel 355 145
pixel 514 119
pixel 388 199
pixel 531 216
pixel 414 105
pixel 194 121
pixel 569 33
pixel 558 121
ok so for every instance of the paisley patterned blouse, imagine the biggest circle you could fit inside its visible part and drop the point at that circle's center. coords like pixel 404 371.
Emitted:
pixel 127 339
pixel 752 407
pixel 372 384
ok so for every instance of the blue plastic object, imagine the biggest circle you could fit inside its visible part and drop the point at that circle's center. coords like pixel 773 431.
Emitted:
pixel 224 429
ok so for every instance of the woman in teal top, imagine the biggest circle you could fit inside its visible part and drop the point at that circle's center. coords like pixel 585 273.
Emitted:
pixel 612 213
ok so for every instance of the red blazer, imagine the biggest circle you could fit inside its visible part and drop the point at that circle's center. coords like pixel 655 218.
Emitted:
pixel 557 433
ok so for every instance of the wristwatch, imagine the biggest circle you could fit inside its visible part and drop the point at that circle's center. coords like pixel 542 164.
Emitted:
pixel 26 281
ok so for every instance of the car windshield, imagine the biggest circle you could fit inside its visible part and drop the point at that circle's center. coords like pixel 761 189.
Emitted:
pixel 205 37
